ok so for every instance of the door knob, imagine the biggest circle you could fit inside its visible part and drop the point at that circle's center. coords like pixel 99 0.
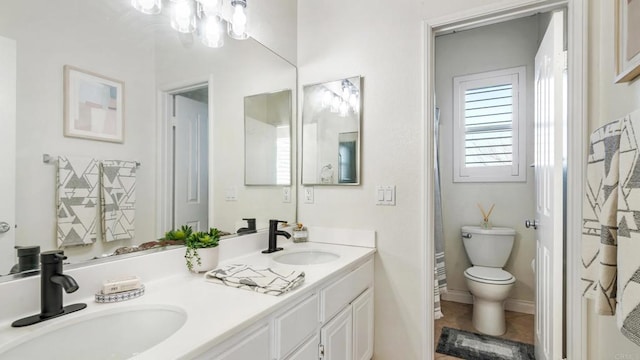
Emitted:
pixel 4 227
pixel 534 224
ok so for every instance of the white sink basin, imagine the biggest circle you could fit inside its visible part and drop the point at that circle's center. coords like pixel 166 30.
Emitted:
pixel 110 334
pixel 310 257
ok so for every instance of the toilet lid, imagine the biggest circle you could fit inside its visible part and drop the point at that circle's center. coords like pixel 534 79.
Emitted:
pixel 489 275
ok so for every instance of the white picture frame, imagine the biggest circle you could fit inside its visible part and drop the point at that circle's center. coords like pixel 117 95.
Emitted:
pixel 93 106
pixel 627 33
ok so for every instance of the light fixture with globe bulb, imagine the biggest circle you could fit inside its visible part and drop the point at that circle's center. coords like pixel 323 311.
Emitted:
pixel 203 17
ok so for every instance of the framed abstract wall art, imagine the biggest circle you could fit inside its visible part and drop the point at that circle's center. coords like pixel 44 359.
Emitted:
pixel 627 31
pixel 93 106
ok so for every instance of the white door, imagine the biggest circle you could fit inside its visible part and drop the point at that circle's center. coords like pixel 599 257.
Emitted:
pixel 336 337
pixel 549 140
pixel 363 326
pixel 7 153
pixel 191 189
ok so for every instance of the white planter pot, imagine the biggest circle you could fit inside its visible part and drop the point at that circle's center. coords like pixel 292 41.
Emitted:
pixel 208 259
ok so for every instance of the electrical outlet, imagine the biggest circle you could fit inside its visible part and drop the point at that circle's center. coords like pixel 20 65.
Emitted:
pixel 286 194
pixel 308 195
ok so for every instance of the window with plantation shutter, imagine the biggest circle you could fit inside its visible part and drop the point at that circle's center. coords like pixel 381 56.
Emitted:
pixel 489 142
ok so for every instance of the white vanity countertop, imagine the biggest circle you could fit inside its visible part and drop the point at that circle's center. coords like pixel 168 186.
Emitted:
pixel 214 312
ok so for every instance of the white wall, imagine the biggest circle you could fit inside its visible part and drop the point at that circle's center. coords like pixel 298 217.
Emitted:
pixel 607 102
pixel 380 40
pixel 494 47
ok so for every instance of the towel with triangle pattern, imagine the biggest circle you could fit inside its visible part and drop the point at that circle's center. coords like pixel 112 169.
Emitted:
pixel 266 280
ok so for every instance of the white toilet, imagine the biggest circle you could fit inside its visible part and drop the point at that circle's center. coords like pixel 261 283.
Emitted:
pixel 488 250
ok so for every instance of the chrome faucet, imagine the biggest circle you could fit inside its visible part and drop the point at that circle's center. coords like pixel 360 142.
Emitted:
pixel 273 233
pixel 52 281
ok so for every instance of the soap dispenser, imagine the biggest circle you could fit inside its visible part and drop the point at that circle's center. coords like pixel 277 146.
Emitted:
pixel 300 233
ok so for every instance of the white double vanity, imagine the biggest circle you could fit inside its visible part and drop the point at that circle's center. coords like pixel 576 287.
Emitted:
pixel 182 316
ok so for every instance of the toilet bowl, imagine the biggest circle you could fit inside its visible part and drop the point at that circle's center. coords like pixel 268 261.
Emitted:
pixel 488 250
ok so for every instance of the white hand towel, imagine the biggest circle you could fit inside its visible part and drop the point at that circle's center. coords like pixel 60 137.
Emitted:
pixel 118 199
pixel 77 200
pixel 266 280
pixel 599 229
pixel 628 313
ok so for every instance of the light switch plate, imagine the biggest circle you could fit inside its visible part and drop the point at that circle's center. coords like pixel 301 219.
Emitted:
pixel 231 194
pixel 386 195
pixel 308 194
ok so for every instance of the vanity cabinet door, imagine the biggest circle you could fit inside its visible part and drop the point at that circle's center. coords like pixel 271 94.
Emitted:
pixel 336 337
pixel 295 325
pixel 308 350
pixel 363 326
pixel 254 346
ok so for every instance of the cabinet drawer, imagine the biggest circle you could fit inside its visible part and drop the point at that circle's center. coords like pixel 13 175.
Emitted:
pixel 339 294
pixel 295 325
pixel 251 344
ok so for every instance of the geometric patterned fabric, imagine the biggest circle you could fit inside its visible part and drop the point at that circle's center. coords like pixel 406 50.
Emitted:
pixel 617 254
pixel 629 229
pixel 265 280
pixel 77 200
pixel 599 229
pixel 118 198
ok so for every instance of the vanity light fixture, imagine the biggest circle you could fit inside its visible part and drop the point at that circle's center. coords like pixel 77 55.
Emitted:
pixel 151 7
pixel 237 27
pixel 183 16
pixel 203 16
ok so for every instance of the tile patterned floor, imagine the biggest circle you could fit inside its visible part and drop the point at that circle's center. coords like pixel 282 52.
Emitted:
pixel 458 316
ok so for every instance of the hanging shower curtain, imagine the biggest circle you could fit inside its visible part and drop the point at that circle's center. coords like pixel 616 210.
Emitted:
pixel 440 276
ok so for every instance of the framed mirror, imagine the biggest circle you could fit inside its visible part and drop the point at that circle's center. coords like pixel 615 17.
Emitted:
pixel 152 61
pixel 331 117
pixel 267 139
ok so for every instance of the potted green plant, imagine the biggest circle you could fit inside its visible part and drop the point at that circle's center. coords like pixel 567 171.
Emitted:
pixel 202 250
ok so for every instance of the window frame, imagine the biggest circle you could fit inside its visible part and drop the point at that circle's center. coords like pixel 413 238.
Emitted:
pixel 516 172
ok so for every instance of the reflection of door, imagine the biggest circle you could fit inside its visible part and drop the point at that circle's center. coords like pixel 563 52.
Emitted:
pixel 549 140
pixel 8 152
pixel 191 192
pixel 347 153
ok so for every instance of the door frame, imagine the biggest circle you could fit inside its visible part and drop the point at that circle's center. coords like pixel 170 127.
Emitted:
pixel 577 36
pixel 164 150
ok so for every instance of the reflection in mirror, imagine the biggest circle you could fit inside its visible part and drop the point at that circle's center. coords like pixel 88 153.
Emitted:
pixel 331 133
pixel 111 38
pixel 267 139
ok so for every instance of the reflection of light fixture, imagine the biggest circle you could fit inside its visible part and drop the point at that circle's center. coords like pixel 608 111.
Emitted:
pixel 326 174
pixel 183 16
pixel 204 15
pixel 212 31
pixel 335 103
pixel 344 108
pixel 326 98
pixel 147 6
pixel 237 27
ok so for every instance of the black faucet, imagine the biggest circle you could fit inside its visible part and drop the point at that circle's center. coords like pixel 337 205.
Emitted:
pixel 273 233
pixel 52 281
pixel 250 229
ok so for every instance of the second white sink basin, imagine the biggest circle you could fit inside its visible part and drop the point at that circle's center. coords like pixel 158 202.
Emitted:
pixel 118 334
pixel 309 257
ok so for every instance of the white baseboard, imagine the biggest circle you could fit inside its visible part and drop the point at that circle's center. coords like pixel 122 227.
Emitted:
pixel 465 297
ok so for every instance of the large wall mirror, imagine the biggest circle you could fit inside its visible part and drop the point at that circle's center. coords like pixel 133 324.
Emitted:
pixel 331 132
pixel 161 71
pixel 267 137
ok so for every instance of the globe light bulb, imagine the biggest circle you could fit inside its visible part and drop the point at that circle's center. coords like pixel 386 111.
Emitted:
pixel 238 26
pixel 151 7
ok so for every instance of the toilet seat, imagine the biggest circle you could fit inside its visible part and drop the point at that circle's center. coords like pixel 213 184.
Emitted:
pixel 489 275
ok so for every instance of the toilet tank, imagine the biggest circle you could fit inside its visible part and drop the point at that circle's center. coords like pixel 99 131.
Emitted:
pixel 488 247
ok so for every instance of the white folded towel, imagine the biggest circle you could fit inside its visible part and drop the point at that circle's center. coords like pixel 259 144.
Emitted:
pixel 266 280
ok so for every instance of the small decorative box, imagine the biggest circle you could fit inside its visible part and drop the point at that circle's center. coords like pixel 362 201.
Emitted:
pixel 120 296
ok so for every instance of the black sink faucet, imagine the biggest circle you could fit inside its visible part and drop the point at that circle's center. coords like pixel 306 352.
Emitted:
pixel 250 229
pixel 52 281
pixel 273 233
